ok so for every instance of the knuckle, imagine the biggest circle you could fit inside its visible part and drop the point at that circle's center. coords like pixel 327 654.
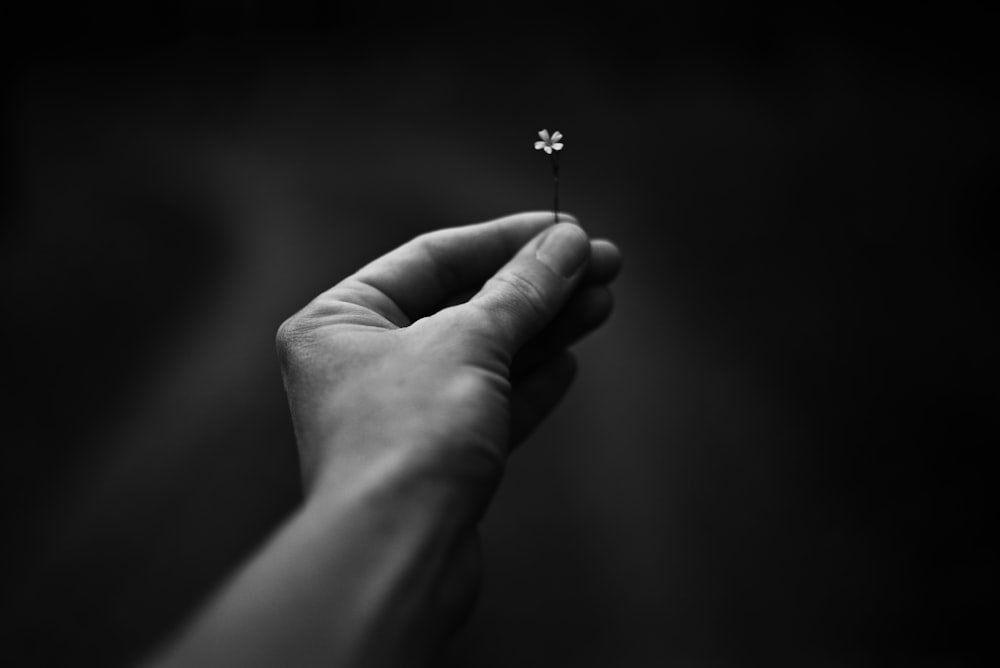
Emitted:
pixel 427 242
pixel 288 337
pixel 425 238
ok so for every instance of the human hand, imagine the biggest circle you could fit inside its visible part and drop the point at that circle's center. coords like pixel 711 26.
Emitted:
pixel 405 398
pixel 388 382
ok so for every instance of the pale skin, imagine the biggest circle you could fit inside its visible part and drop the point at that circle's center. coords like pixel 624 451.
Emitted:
pixel 407 397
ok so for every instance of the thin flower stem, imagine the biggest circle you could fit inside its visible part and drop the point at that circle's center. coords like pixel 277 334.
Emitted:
pixel 555 187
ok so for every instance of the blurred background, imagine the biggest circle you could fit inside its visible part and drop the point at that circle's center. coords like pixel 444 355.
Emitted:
pixel 776 450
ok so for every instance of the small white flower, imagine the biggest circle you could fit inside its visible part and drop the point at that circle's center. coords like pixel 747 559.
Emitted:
pixel 549 143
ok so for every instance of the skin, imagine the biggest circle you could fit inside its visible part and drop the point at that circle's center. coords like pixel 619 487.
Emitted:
pixel 407 395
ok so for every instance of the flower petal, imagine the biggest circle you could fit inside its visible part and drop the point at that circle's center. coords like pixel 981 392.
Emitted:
pixel 557 146
pixel 539 145
pixel 544 134
pixel 548 149
pixel 556 136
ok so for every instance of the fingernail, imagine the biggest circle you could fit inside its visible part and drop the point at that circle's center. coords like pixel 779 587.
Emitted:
pixel 564 249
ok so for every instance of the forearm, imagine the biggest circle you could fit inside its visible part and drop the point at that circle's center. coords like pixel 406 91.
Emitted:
pixel 364 575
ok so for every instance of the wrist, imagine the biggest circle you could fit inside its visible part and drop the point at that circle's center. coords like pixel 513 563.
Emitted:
pixel 448 497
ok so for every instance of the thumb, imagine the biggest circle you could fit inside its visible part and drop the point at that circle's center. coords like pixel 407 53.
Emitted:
pixel 527 293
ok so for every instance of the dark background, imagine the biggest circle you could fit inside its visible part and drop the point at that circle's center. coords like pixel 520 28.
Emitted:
pixel 775 453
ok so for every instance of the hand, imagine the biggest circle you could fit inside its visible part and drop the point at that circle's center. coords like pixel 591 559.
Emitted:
pixel 387 381
pixel 402 388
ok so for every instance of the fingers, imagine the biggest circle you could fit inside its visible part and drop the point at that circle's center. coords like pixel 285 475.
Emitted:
pixel 585 311
pixel 602 268
pixel 527 293
pixel 605 262
pixel 537 394
pixel 418 277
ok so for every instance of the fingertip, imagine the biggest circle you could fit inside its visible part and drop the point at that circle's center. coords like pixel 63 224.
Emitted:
pixel 605 261
pixel 568 365
pixel 600 303
pixel 562 363
pixel 564 248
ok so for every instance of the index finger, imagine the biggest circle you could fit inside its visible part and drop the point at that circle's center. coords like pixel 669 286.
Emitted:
pixel 416 278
